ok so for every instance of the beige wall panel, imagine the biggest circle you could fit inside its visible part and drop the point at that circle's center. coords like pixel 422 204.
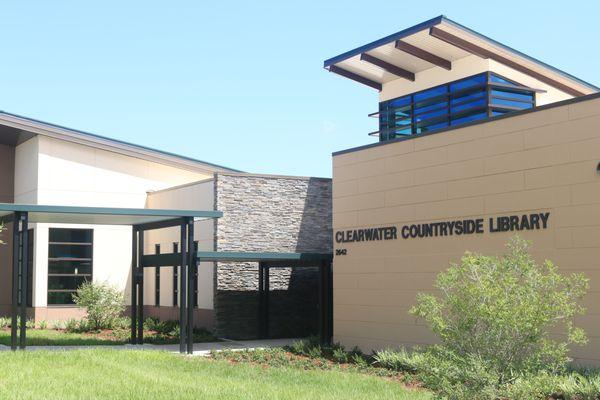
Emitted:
pixel 386 182
pixel 584 109
pixel 450 172
pixel 531 163
pixel 526 121
pixel 343 219
pixel 465 134
pixel 347 188
pixel 500 144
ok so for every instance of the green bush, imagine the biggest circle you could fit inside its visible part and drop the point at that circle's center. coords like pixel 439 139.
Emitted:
pixel 493 316
pixel 71 325
pixel 43 324
pixel 4 322
pixel 104 304
pixel 400 360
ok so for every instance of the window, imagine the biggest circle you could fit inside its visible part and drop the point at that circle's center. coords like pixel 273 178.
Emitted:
pixel 469 99
pixel 69 263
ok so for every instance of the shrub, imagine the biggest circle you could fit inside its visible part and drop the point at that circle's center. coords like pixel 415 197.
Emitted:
pixel 43 324
pixel 4 322
pixel 493 317
pixel 104 304
pixel 71 325
pixel 400 360
pixel 58 325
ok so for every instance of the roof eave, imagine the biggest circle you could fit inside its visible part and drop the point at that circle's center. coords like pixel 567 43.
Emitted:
pixel 105 143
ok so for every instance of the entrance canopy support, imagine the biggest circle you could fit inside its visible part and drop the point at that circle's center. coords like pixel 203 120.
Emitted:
pixel 266 260
pixel 141 220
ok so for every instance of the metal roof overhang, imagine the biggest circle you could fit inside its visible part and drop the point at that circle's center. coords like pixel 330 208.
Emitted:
pixel 100 215
pixel 437 43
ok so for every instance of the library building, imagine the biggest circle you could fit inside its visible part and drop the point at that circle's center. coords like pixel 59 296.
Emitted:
pixel 476 142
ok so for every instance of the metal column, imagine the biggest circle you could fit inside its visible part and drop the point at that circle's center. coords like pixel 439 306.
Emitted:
pixel 263 300
pixel 140 318
pixel 325 303
pixel 191 282
pixel 15 280
pixel 24 266
pixel 134 269
pixel 182 291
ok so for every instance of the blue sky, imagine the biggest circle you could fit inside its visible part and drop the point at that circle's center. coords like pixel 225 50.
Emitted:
pixel 241 83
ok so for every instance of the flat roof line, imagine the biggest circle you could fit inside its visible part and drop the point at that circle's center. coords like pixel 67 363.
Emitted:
pixel 478 122
pixel 117 141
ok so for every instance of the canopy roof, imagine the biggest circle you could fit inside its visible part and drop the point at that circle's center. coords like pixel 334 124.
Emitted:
pixel 100 215
pixel 436 43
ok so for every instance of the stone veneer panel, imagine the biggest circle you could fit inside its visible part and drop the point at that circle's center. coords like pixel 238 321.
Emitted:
pixel 269 214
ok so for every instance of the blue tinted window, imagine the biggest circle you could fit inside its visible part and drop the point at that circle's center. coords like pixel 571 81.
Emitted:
pixel 432 114
pixel 433 92
pixel 434 106
pixel 466 106
pixel 498 79
pixel 402 101
pixel 513 95
pixel 467 97
pixel 469 118
pixel 511 103
pixel 476 80
pixel 431 127
pixel 462 101
pixel 498 112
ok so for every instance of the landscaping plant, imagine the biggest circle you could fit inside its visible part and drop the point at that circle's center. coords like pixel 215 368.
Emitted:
pixel 104 304
pixel 493 316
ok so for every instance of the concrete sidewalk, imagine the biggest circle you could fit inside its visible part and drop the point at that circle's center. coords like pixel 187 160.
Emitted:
pixel 200 349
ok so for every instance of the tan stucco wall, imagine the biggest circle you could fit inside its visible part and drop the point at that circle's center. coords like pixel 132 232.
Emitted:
pixel 56 172
pixel 543 161
pixel 195 196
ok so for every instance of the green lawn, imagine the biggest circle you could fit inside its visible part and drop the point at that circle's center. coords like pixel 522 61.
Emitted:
pixel 119 374
pixel 51 337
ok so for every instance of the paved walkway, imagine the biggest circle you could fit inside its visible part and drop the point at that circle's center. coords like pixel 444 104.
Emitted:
pixel 200 349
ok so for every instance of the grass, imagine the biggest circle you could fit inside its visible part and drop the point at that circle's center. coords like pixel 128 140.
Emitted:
pixel 119 374
pixel 51 337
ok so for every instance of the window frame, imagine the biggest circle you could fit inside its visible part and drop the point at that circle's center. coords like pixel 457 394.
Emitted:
pixel 87 277
pixel 388 121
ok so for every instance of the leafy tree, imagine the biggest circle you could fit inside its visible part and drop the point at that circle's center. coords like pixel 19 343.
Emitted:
pixel 502 310
pixel 104 304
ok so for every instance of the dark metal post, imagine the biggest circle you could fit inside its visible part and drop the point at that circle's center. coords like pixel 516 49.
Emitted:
pixel 182 291
pixel 157 278
pixel 24 265
pixel 134 250
pixel 261 300
pixel 325 302
pixel 191 282
pixel 175 277
pixel 15 281
pixel 266 300
pixel 140 327
pixel 321 303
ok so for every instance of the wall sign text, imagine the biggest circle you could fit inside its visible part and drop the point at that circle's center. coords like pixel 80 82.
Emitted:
pixel 510 223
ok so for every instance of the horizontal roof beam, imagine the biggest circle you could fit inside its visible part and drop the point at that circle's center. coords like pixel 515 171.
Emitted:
pixel 485 53
pixel 391 68
pixel 355 77
pixel 423 55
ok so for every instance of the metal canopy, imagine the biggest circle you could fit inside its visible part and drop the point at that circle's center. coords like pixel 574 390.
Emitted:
pixel 100 215
pixel 260 257
pixel 186 258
